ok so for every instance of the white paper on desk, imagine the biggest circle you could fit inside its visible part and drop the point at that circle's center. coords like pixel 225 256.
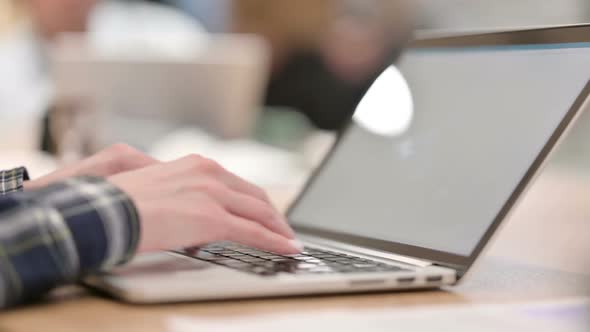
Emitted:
pixel 570 315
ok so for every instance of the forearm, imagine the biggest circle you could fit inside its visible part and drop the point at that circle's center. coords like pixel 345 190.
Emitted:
pixel 59 233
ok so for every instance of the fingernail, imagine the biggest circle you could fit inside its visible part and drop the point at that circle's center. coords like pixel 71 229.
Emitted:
pixel 296 244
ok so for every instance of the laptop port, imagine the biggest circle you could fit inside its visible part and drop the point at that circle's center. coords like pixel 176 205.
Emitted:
pixel 434 279
pixel 406 280
pixel 368 282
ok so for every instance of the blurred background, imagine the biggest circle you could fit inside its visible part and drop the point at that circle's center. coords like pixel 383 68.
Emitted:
pixel 172 77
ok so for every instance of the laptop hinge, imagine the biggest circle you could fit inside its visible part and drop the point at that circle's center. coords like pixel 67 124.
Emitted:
pixel 365 251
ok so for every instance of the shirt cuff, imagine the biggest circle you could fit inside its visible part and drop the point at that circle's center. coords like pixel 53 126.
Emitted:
pixel 12 180
pixel 102 220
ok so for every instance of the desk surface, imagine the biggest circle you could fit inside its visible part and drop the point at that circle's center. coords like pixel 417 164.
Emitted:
pixel 540 254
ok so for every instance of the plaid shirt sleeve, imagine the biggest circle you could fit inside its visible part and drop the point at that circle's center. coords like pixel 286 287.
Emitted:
pixel 12 180
pixel 60 233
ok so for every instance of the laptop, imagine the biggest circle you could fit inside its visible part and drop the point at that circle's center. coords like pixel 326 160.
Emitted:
pixel 437 154
pixel 217 83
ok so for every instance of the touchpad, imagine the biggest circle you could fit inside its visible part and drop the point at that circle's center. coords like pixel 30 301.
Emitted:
pixel 160 263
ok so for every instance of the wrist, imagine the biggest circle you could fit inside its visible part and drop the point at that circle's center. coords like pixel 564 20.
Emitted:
pixel 31 185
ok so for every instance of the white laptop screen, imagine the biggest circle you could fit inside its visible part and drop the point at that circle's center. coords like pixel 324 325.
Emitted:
pixel 433 167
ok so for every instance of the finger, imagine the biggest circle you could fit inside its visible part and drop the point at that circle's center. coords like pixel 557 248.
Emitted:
pixel 243 186
pixel 255 235
pixel 238 184
pixel 256 210
pixel 231 180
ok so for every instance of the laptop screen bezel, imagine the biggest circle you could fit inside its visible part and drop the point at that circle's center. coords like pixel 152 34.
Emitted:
pixel 548 35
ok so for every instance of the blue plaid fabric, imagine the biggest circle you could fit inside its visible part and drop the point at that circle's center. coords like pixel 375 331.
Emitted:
pixel 60 233
pixel 12 180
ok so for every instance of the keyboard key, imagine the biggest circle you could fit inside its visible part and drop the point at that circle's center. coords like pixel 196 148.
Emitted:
pixel 236 255
pixel 251 252
pixel 307 266
pixel 281 259
pixel 266 256
pixel 253 260
pixel 312 260
pixel 214 250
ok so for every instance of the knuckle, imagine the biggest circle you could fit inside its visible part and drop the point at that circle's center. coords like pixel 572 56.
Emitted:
pixel 208 165
pixel 262 193
pixel 120 149
pixel 192 160
pixel 201 164
pixel 257 191
pixel 266 213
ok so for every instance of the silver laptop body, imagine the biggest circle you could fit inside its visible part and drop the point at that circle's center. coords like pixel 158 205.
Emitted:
pixel 438 152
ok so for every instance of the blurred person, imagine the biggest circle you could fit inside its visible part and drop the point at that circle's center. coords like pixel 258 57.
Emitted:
pixel 326 52
pixel 50 18
pixel 97 213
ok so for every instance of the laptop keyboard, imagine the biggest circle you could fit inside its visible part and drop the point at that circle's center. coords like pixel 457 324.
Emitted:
pixel 310 261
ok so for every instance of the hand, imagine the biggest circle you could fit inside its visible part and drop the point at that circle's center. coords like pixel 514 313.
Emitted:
pixel 115 159
pixel 194 201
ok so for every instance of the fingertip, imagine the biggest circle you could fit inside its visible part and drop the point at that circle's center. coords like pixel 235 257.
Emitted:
pixel 296 246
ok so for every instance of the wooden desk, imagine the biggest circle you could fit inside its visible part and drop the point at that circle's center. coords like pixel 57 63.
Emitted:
pixel 541 253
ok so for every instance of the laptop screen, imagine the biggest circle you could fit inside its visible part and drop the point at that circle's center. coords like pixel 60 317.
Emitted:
pixel 439 144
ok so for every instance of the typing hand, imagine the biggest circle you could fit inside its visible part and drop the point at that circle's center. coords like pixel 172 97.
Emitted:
pixel 194 201
pixel 115 159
